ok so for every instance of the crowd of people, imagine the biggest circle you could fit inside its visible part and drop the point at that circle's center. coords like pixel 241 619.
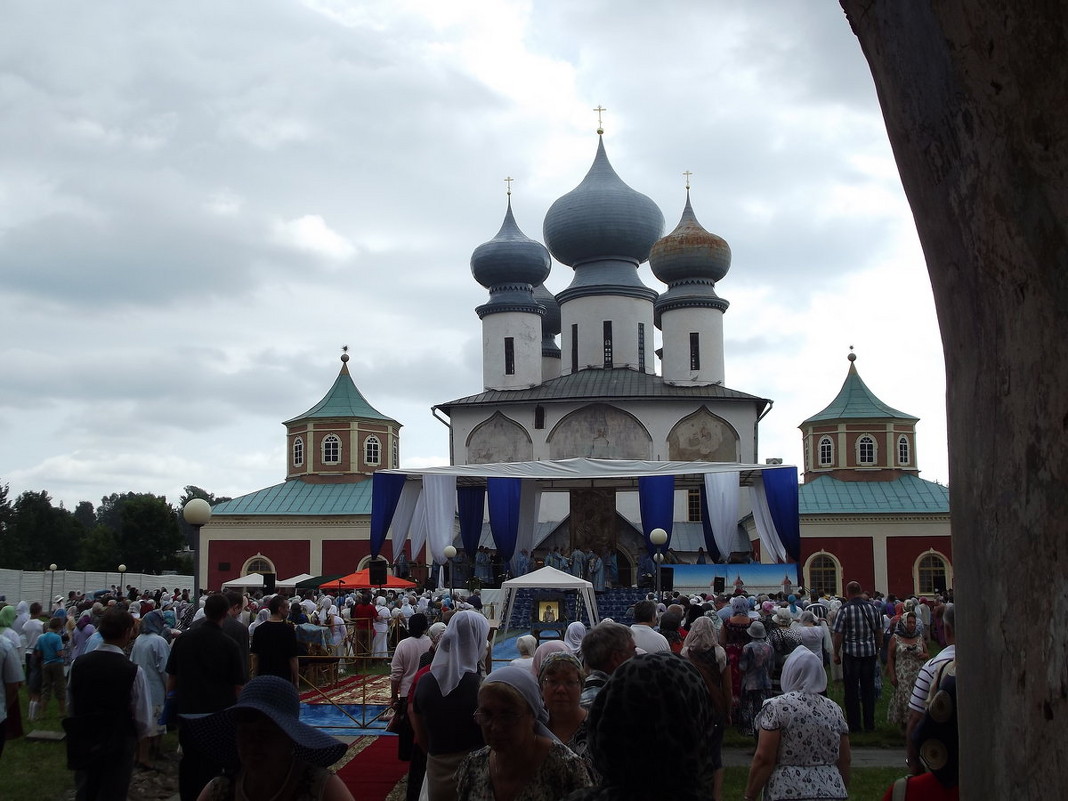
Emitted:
pixel 556 723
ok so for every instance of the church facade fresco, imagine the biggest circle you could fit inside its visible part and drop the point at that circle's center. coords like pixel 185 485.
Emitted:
pixel 499 439
pixel 600 431
pixel 703 436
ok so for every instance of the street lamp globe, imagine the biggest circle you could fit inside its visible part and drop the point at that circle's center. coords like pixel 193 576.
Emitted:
pixel 658 537
pixel 53 566
pixel 450 551
pixel 197 512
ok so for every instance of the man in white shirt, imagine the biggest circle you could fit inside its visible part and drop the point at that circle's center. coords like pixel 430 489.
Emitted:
pixel 645 637
pixel 110 709
pixel 922 688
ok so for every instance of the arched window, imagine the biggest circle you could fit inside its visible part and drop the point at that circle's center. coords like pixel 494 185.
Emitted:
pixel 866 450
pixel 298 452
pixel 258 564
pixel 902 449
pixel 826 452
pixel 331 449
pixel 823 573
pixel 372 449
pixel 932 573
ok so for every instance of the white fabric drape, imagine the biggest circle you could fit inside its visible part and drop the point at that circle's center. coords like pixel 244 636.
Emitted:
pixel 769 537
pixel 529 507
pixel 721 492
pixel 440 494
pixel 417 530
pixel 402 518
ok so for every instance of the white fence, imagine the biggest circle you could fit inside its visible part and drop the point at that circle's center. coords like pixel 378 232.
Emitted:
pixel 38 585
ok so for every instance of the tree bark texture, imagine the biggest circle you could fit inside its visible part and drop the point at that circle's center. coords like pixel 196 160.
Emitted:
pixel 975 98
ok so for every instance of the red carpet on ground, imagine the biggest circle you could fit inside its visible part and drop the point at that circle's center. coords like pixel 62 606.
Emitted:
pixel 373 773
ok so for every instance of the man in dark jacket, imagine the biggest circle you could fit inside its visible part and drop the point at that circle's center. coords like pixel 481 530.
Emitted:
pixel 110 710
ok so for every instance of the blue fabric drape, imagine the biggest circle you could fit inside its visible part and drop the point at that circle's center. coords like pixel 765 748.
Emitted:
pixel 656 499
pixel 471 504
pixel 780 487
pixel 706 525
pixel 385 492
pixel 504 494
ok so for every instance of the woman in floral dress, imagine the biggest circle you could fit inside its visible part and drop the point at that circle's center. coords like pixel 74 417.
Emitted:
pixel 756 663
pixel 905 654
pixel 803 752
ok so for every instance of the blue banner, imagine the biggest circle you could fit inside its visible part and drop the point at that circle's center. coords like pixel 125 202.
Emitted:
pixel 385 493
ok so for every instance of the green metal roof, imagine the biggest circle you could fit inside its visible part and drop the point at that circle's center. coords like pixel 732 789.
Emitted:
pixel 607 385
pixel 856 402
pixel 297 497
pixel 908 494
pixel 343 400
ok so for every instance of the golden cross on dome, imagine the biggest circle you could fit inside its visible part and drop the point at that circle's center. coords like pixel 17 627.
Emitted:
pixel 600 127
pixel 687 174
pixel 508 181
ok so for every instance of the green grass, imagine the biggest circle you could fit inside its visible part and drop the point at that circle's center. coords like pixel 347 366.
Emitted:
pixel 866 784
pixel 36 768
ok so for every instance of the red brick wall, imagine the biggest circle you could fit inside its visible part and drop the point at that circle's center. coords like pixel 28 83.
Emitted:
pixel 855 553
pixel 289 557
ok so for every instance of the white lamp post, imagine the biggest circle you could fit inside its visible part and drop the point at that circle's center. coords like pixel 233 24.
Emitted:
pixel 196 513
pixel 122 587
pixel 52 587
pixel 658 537
pixel 450 554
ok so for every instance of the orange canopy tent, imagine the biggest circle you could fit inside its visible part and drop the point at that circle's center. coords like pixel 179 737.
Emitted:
pixel 361 580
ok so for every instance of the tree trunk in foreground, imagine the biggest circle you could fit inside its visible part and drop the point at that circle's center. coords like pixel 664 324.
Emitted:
pixel 975 97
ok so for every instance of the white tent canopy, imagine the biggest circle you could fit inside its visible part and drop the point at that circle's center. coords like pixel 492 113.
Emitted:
pixel 548 578
pixel 251 581
pixel 291 583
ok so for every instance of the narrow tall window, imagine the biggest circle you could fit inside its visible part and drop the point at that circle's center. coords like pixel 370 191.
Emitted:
pixel 372 449
pixel 331 449
pixel 509 355
pixel 641 347
pixel 396 453
pixel 866 450
pixel 607 343
pixel 826 452
pixel 903 450
pixel 931 574
pixel 693 505
pixel 695 351
pixel 539 416
pixel 574 347
pixel 823 575
pixel 298 452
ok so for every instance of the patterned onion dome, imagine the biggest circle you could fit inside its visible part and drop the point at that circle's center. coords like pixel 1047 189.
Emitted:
pixel 510 257
pixel 602 218
pixel 690 252
pixel 550 321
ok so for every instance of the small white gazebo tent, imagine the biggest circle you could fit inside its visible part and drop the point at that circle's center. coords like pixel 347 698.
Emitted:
pixel 291 583
pixel 548 578
pixel 250 582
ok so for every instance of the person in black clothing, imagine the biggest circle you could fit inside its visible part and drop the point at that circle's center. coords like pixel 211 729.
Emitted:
pixel 205 671
pixel 110 710
pixel 275 651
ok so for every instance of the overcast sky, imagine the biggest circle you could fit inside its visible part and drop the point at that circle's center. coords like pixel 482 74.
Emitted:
pixel 201 202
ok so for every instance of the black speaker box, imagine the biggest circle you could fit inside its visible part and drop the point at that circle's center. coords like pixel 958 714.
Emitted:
pixel 377 573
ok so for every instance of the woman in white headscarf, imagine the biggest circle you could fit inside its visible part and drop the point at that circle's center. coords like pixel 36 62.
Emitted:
pixel 803 750
pixel 445 700
pixel 380 646
pixel 573 636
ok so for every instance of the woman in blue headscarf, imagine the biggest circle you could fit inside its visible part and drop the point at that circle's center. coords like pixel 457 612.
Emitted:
pixel 150 651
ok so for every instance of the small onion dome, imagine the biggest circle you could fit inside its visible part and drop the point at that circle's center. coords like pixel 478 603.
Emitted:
pixel 690 252
pixel 601 218
pixel 550 321
pixel 510 257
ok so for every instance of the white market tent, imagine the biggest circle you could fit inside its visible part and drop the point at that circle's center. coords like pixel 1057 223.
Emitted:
pixel 251 581
pixel 291 583
pixel 548 578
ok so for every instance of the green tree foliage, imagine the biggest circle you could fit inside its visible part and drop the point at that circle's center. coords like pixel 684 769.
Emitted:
pixel 192 491
pixel 99 549
pixel 85 513
pixel 145 531
pixel 36 533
